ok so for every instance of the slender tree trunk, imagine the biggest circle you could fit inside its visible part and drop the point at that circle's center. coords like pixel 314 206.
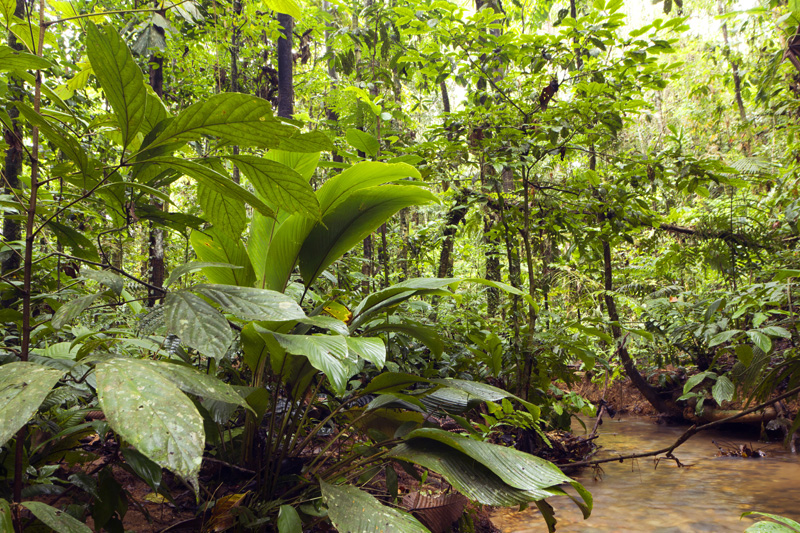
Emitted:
pixel 403 253
pixel 454 217
pixel 737 80
pixel 285 66
pixel 235 36
pixel 12 228
pixel 157 236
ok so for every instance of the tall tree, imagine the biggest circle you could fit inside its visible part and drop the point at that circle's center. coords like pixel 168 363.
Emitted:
pixel 157 271
pixel 285 67
pixel 12 170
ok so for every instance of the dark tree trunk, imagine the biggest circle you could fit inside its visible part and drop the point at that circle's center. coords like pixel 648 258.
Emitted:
pixel 12 229
pixel 235 36
pixel 285 66
pixel 454 217
pixel 157 238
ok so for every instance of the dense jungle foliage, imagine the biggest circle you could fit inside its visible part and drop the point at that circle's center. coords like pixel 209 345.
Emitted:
pixel 288 262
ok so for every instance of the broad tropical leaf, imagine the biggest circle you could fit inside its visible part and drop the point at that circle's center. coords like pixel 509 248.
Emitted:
pixel 487 473
pixel 280 185
pixel 23 388
pixel 786 525
pixel 351 220
pixel 56 519
pixel 188 379
pixel 225 213
pixel 427 335
pixel 372 350
pixel 304 163
pixel 288 239
pixel 197 324
pixel 289 520
pixel 214 246
pixel 354 511
pixel 11 60
pixel 723 390
pixel 406 289
pixel 57 135
pixel 105 277
pixel 289 7
pixel 187 268
pixel 311 142
pixel 72 309
pixel 216 182
pixel 326 353
pixel 235 117
pixel 151 413
pixel 363 141
pixel 252 304
pixel 120 77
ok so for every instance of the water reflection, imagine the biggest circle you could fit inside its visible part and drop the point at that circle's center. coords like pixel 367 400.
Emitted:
pixel 709 495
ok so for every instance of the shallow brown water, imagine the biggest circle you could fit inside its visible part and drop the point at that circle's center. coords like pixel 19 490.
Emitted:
pixel 709 495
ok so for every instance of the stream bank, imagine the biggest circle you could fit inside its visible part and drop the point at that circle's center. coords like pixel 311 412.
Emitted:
pixel 709 494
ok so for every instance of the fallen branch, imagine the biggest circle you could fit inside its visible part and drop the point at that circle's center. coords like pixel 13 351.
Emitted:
pixel 686 435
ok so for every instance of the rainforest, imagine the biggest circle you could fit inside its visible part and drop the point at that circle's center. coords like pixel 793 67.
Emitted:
pixel 421 266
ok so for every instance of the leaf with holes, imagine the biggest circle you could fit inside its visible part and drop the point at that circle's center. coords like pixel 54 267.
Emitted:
pixel 197 323
pixel 23 388
pixel 152 414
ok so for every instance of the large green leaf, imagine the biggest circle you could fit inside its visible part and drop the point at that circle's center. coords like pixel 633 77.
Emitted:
pixel 11 60
pixel 23 388
pixel 81 246
pixel 280 185
pixel 56 519
pixel 354 511
pixel 120 78
pixel 289 520
pixel 723 390
pixel 57 135
pixel 284 250
pixel 6 519
pixel 186 268
pixel 313 141
pixel 252 304
pixel 70 310
pixel 363 142
pixel 188 379
pixel 216 247
pixel 405 289
pixel 152 414
pixel 217 182
pixel 372 350
pixel 507 476
pixel 787 525
pixel 197 323
pixel 351 220
pixel 304 163
pixel 427 335
pixel 289 7
pixel 235 117
pixel 225 213
pixel 326 353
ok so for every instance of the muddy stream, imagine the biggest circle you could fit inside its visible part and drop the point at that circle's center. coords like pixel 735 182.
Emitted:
pixel 709 494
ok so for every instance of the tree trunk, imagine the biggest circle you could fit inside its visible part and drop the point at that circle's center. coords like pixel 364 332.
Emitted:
pixel 237 11
pixel 285 66
pixel 12 228
pixel 737 80
pixel 157 271
pixel 454 217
